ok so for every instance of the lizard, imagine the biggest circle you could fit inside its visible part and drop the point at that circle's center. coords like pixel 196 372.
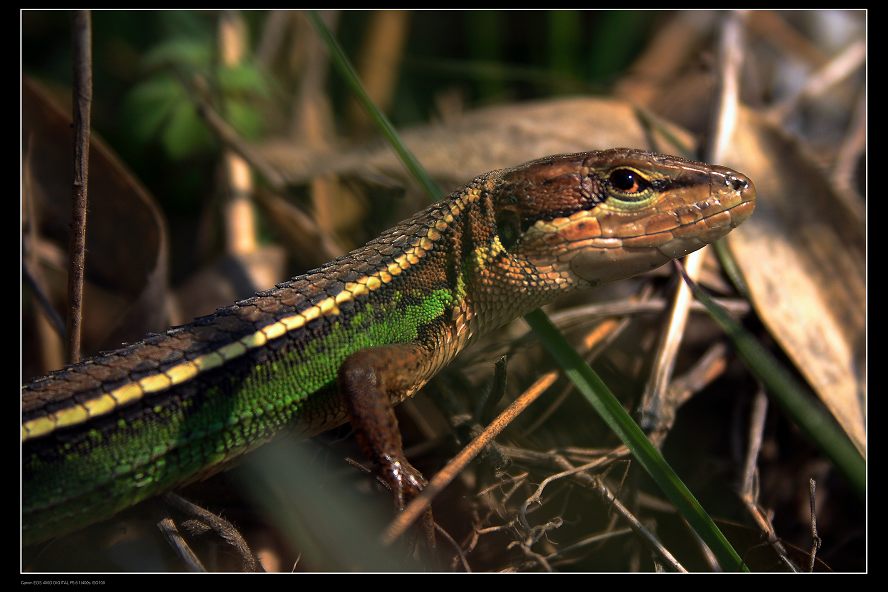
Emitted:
pixel 349 340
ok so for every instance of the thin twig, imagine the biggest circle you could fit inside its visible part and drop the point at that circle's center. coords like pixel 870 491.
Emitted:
pixel 220 526
pixel 516 481
pixel 420 503
pixel 298 230
pixel 728 94
pixel 177 542
pixel 725 116
pixel 544 459
pixel 81 24
pixel 710 366
pixel 594 343
pixel 591 540
pixel 749 491
pixel 587 453
pixel 231 139
pixel 532 555
pixel 836 70
pixel 455 545
pixel 634 523
pixel 49 327
pixel 551 459
pixel 493 529
pixel 472 537
pixel 667 350
pixel 274 31
pixel 764 523
pixel 618 308
pixel 494 393
pixel 312 126
pixel 845 167
pixel 815 538
pixel 603 333
pixel 771 27
pixel 237 209
pixel 707 553
pixel 238 213
pixel 55 320
pixel 666 53
pixel 538 494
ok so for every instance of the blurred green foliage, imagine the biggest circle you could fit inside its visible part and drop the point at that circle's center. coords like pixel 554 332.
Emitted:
pixel 160 106
pixel 142 109
pixel 139 54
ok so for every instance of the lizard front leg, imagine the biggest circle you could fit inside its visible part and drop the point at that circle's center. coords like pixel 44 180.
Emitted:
pixel 369 381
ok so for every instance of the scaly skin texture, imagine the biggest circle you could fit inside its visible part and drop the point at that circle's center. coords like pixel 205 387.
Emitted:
pixel 106 433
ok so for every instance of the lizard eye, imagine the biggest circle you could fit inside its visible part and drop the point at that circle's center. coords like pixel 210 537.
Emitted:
pixel 628 183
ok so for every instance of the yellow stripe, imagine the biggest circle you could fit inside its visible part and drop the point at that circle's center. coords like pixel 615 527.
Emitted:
pixel 402 262
pixel 208 361
pixel 257 339
pixel 127 393
pixel 70 416
pixel 155 382
pixel 232 350
pixel 293 322
pixel 352 290
pixel 181 373
pixel 38 427
pixel 329 306
pixel 311 314
pixel 100 406
pixel 274 330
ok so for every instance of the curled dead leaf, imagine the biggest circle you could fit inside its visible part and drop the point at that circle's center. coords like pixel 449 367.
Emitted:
pixel 803 255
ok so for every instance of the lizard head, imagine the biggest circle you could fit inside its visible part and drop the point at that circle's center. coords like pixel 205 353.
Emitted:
pixel 593 217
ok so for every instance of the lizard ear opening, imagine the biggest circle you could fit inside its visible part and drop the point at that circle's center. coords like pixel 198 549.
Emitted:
pixel 508 227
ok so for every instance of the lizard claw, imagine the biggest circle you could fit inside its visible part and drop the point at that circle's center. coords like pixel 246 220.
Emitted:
pixel 406 482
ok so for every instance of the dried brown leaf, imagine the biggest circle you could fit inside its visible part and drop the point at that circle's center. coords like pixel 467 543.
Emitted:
pixel 126 260
pixel 803 256
pixel 481 140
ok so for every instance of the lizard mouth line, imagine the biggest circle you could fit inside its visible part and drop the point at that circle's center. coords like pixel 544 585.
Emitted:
pixel 740 208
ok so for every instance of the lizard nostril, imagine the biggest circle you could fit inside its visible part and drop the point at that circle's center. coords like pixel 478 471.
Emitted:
pixel 738 182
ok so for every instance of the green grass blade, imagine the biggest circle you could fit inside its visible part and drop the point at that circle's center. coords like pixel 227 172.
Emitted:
pixel 576 369
pixel 342 63
pixel 795 399
pixel 610 409
pixel 729 265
